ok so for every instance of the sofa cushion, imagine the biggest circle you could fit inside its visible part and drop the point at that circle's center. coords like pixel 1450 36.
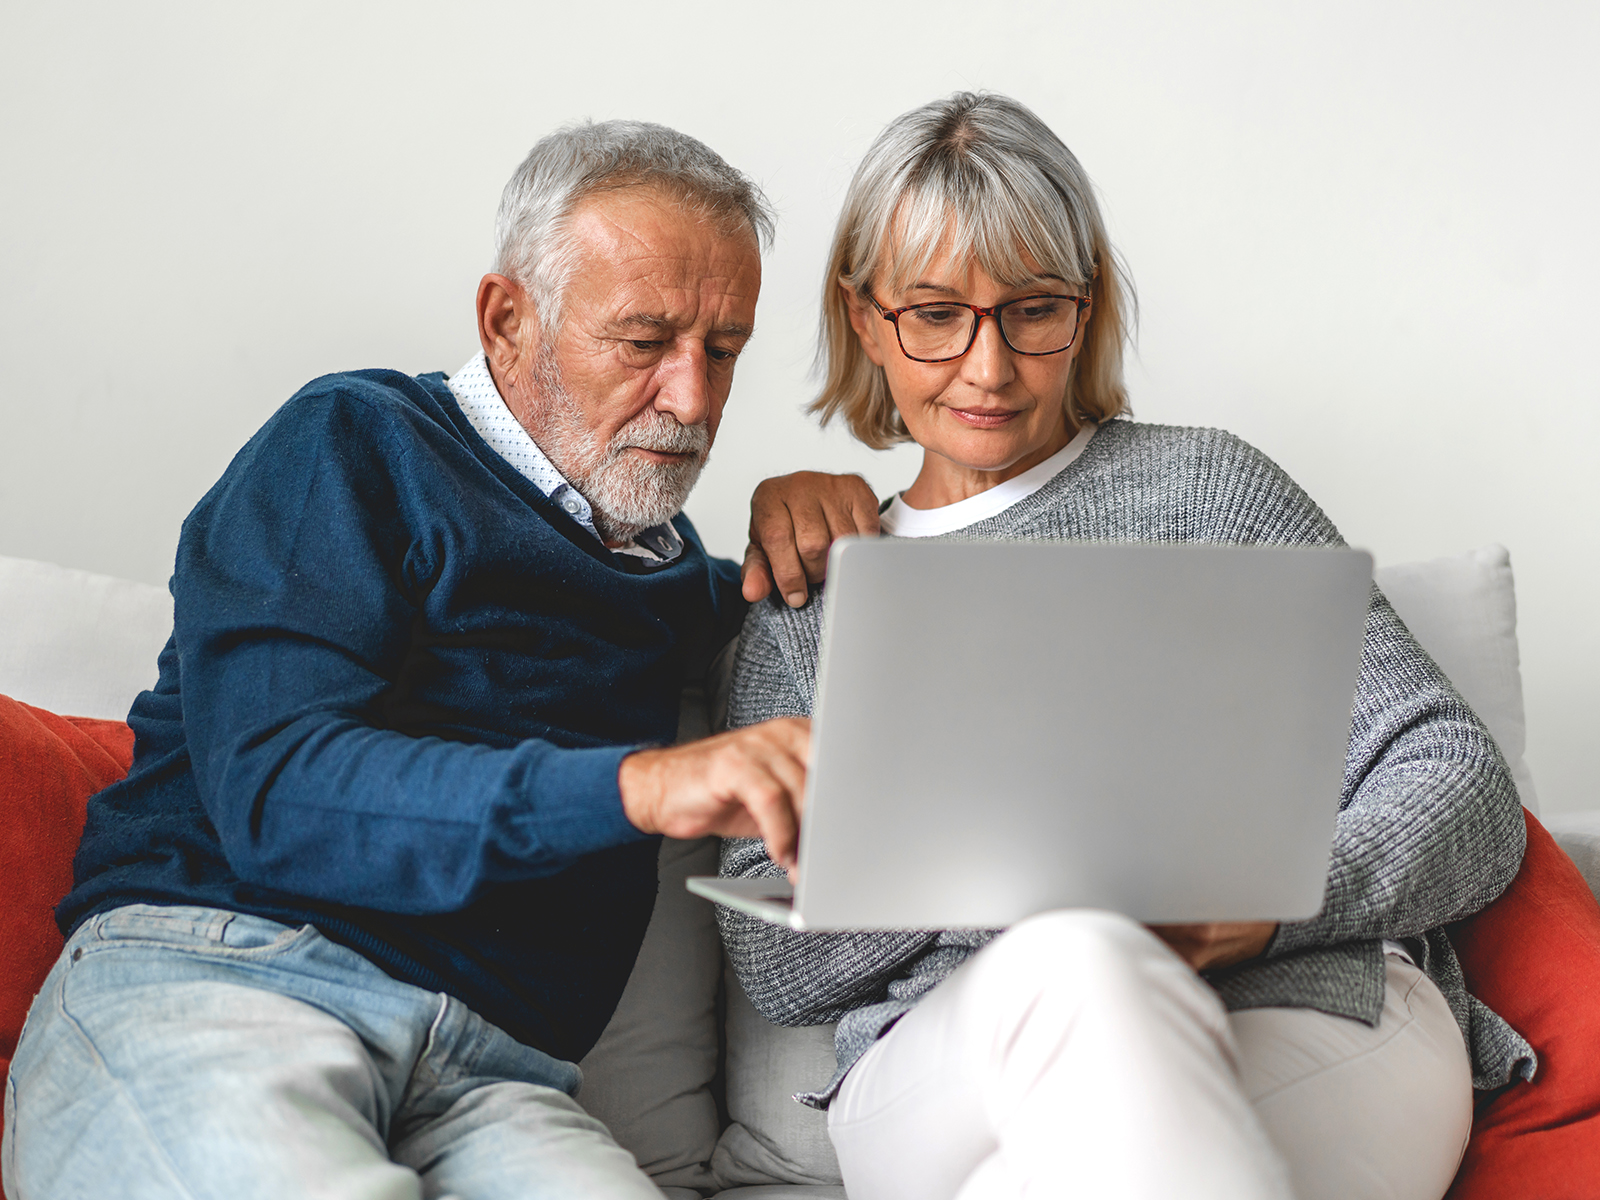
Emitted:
pixel 1534 957
pixel 1578 833
pixel 1463 610
pixel 50 768
pixel 650 1076
pixel 771 1139
pixel 76 642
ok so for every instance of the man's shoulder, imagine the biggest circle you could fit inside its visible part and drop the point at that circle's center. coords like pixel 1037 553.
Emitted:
pixel 373 397
pixel 371 416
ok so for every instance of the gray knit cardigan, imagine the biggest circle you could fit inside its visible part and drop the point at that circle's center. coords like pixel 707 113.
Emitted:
pixel 1429 830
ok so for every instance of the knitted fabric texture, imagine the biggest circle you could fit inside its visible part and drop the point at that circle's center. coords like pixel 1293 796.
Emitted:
pixel 1430 828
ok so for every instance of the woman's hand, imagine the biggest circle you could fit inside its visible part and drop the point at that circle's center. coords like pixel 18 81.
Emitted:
pixel 1218 944
pixel 793 521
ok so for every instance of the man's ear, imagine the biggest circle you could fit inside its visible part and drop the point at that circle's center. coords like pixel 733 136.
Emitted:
pixel 864 321
pixel 505 322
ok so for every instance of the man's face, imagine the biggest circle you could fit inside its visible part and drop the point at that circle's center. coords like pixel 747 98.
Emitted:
pixel 627 397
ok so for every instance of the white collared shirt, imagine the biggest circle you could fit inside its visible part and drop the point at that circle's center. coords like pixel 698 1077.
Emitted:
pixel 485 409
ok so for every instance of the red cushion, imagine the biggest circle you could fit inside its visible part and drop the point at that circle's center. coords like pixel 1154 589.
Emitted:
pixel 49 768
pixel 1534 957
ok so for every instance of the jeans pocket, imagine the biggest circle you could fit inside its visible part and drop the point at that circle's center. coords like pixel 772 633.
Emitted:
pixel 210 931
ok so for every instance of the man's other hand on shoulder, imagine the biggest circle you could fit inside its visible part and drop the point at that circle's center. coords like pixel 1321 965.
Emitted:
pixel 748 782
pixel 793 521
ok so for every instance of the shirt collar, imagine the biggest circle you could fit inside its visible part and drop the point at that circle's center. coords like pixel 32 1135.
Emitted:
pixel 481 403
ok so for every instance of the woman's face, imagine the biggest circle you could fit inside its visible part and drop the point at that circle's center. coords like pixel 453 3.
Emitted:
pixel 992 410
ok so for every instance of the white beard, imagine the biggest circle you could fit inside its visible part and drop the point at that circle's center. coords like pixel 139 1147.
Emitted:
pixel 627 493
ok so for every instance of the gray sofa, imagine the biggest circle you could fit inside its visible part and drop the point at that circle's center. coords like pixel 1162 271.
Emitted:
pixel 687 1075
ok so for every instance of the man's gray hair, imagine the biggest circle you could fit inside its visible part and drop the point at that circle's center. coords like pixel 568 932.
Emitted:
pixel 531 235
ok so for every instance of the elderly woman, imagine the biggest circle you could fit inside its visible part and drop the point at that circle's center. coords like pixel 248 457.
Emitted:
pixel 974 305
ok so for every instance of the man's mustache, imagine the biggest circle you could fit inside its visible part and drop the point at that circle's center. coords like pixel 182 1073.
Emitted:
pixel 662 432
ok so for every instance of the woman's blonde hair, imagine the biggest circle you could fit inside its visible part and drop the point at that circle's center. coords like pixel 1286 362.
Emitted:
pixel 980 177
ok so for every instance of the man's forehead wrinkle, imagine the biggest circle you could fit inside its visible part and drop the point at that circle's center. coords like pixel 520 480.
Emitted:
pixel 644 320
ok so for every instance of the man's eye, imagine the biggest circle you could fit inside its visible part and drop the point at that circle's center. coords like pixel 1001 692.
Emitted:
pixel 643 345
pixel 717 354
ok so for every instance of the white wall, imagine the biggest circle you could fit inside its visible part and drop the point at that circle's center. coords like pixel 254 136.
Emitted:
pixel 1363 234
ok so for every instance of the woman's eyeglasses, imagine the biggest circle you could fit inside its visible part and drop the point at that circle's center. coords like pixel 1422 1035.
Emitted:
pixel 945 329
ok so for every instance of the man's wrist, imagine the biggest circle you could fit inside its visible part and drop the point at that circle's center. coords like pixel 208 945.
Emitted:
pixel 639 785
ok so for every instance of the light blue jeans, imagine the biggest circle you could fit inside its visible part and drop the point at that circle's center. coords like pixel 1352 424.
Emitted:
pixel 190 1052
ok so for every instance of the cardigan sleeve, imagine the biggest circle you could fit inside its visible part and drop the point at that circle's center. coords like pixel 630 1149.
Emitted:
pixel 295 598
pixel 1430 828
pixel 791 976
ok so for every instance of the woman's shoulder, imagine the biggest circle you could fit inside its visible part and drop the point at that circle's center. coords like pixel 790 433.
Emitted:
pixel 1125 438
pixel 1154 482
pixel 1174 455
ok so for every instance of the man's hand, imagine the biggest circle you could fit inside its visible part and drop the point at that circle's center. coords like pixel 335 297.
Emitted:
pixel 746 783
pixel 1220 944
pixel 793 521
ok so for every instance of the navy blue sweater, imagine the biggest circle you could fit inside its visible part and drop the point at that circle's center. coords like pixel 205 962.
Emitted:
pixel 399 685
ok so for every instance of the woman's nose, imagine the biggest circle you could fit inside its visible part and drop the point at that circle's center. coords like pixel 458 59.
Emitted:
pixel 989 364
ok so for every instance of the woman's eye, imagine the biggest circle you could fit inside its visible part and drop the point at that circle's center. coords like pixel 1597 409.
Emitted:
pixel 1038 310
pixel 933 316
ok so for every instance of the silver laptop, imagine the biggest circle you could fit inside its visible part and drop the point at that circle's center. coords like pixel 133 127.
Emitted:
pixel 1004 728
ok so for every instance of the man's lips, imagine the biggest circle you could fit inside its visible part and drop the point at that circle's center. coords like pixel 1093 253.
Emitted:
pixel 663 456
pixel 983 418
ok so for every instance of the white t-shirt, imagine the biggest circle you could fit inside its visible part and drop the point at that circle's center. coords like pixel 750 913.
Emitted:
pixel 901 520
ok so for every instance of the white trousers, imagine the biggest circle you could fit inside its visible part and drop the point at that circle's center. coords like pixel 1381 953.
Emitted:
pixel 1076 1055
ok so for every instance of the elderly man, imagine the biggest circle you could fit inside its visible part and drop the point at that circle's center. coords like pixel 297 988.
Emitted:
pixel 383 863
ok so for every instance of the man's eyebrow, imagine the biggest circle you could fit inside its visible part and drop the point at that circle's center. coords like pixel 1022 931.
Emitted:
pixel 658 323
pixel 653 322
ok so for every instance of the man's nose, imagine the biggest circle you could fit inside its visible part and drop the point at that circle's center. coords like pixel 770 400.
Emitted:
pixel 989 364
pixel 685 384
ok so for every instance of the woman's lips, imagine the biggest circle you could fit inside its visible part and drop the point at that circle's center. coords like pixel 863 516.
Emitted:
pixel 983 418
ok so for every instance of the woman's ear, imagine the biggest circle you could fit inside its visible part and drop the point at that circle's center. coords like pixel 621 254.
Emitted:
pixel 864 321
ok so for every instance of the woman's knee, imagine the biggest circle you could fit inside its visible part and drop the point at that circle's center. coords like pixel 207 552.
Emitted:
pixel 1075 945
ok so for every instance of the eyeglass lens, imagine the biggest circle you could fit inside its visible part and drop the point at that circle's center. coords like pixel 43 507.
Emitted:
pixel 1032 325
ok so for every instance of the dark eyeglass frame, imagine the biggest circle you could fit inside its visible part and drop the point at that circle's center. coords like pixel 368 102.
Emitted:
pixel 893 316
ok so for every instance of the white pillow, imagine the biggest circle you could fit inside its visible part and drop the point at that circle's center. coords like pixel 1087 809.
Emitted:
pixel 1463 610
pixel 76 643
pixel 772 1139
pixel 650 1076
